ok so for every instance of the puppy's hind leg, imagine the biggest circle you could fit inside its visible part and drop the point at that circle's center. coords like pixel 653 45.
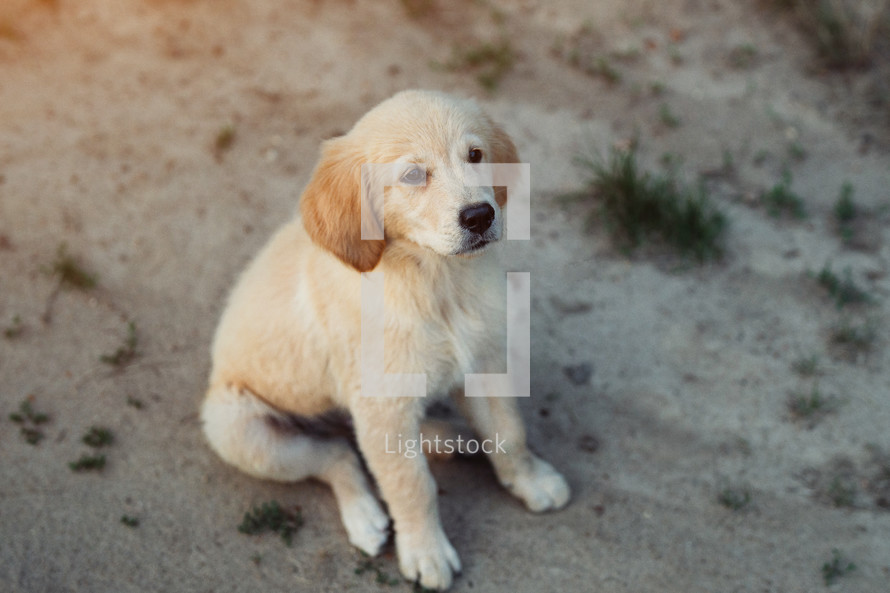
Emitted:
pixel 264 443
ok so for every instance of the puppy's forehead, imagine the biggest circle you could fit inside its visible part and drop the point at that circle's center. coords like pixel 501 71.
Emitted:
pixel 418 121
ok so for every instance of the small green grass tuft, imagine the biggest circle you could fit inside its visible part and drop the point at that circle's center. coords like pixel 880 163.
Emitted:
pixel 70 272
pixel 88 463
pixel 844 36
pixel 878 485
pixel 845 212
pixel 837 39
pixel 32 436
pixel 126 353
pixel 760 157
pixel 131 522
pixel 271 517
pixel 836 568
pixel 780 199
pixel 743 57
pixel 29 421
pixel 811 407
pixel 601 67
pixel 844 290
pixel 853 338
pixel 135 402
pixel 845 208
pixel 640 205
pixel 807 366
pixel 734 498
pixel 667 117
pixel 675 54
pixel 583 51
pixel 367 564
pixel 797 151
pixel 27 413
pixel 842 492
pixel 98 437
pixel 490 61
pixel 14 329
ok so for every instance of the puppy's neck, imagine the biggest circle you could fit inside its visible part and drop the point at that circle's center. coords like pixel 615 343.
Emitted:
pixel 407 259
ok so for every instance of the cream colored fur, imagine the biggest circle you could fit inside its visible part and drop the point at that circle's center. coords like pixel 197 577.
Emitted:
pixel 289 341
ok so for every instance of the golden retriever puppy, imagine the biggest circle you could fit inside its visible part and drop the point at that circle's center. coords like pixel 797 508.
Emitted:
pixel 287 353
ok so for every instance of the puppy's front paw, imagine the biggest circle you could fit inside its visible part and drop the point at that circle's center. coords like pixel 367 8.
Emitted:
pixel 366 524
pixel 428 559
pixel 541 488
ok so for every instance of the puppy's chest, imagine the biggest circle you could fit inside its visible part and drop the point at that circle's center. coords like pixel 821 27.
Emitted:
pixel 467 328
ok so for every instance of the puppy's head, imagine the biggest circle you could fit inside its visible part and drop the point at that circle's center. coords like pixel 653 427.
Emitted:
pixel 418 145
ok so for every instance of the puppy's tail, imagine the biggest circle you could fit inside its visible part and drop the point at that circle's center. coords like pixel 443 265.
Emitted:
pixel 251 434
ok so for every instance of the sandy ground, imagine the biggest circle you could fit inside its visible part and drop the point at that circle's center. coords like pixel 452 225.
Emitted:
pixel 109 118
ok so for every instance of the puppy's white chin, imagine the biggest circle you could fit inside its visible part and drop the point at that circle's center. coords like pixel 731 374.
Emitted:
pixel 474 249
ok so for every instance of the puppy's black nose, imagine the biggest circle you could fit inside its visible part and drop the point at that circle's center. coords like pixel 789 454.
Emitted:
pixel 477 218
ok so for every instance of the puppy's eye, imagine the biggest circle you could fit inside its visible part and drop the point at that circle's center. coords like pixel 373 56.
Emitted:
pixel 475 155
pixel 414 176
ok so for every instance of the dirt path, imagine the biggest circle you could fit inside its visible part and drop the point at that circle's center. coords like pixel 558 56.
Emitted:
pixel 728 439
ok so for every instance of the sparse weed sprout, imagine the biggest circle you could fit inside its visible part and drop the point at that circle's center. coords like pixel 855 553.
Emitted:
pixel 271 517
pixel 98 437
pixel 743 56
pixel 29 421
pixel 842 492
pixel 14 329
pixel 845 212
pixel 639 205
pixel 836 568
pixel 844 37
pixel 811 407
pixel 853 339
pixel 69 272
pixel 490 61
pixel 367 564
pixel 88 463
pixel 806 366
pixel 734 498
pixel 841 40
pixel 131 522
pixel 135 402
pixel 844 290
pixel 603 68
pixel 667 117
pixel 583 51
pixel 844 208
pixel 780 199
pixel 125 354
pixel 796 151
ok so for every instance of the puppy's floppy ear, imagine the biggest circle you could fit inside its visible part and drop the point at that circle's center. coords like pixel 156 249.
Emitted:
pixel 332 210
pixel 502 151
